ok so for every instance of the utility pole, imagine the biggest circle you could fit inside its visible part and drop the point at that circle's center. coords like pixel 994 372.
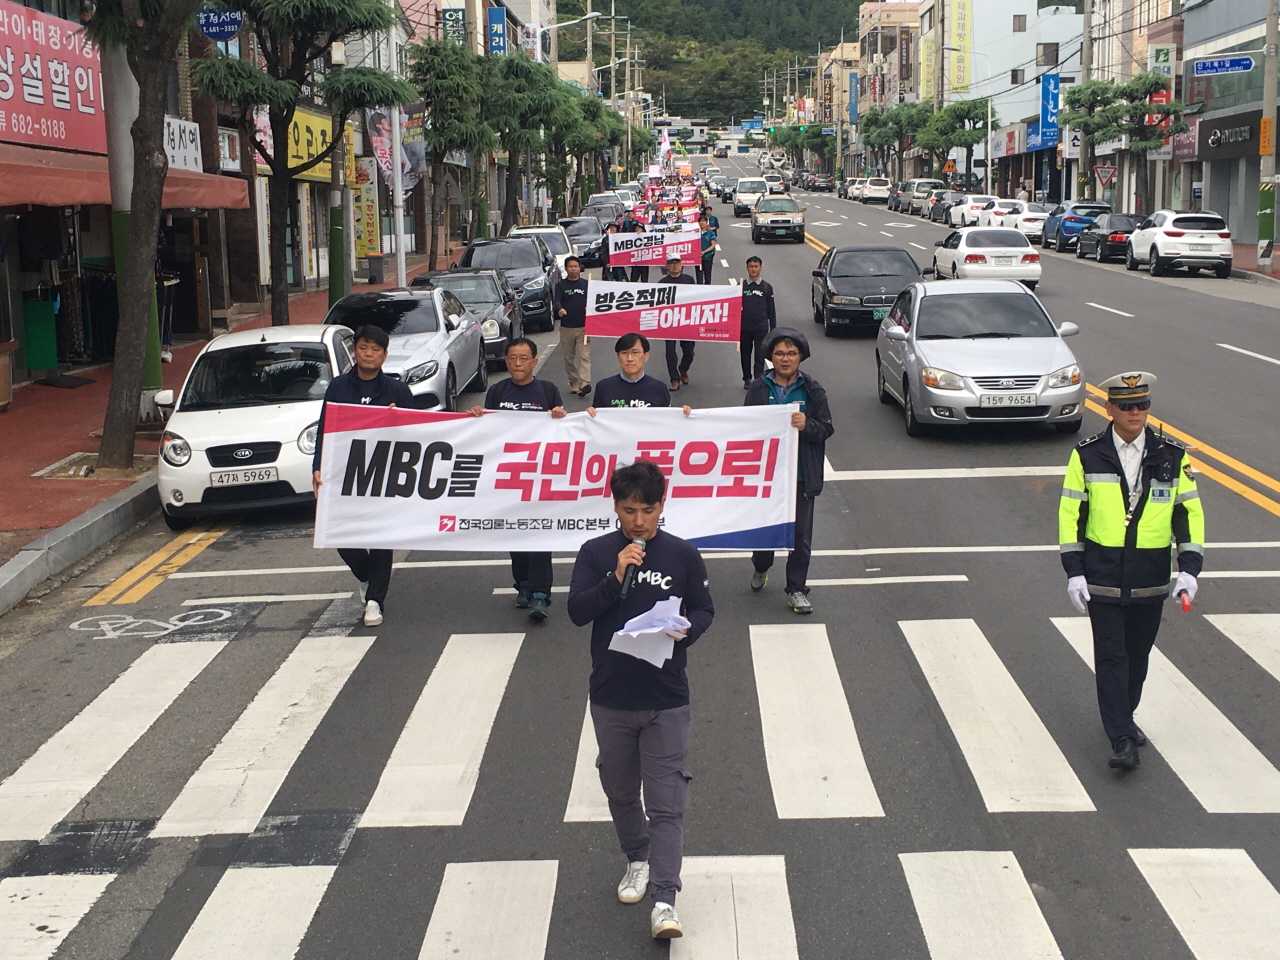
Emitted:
pixel 939 96
pixel 591 63
pixel 337 189
pixel 1085 177
pixel 613 56
pixel 1267 139
pixel 397 195
pixel 627 101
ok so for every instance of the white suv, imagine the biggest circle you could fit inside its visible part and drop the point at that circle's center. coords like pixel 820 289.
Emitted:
pixel 776 183
pixel 875 190
pixel 1181 238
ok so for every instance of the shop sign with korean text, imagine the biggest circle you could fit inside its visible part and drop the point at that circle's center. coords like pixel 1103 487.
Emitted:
pixel 653 249
pixel 665 311
pixel 50 82
pixel 182 144
pixel 421 480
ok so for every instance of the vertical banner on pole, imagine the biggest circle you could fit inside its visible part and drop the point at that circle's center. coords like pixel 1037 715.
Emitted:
pixel 497 44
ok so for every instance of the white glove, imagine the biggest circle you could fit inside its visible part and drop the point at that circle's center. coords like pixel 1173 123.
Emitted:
pixel 1078 591
pixel 1188 583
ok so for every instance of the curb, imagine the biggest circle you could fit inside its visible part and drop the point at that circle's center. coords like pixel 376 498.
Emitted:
pixel 1253 275
pixel 73 541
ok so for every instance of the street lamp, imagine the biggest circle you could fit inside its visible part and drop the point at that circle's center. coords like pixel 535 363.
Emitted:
pixel 986 147
pixel 596 15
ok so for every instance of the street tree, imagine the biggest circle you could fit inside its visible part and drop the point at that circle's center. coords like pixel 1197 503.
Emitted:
pixel 293 40
pixel 893 129
pixel 937 138
pixel 149 31
pixel 1147 125
pixel 970 120
pixel 447 77
pixel 1091 111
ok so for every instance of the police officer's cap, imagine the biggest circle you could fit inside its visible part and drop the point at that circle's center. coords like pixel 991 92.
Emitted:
pixel 1127 387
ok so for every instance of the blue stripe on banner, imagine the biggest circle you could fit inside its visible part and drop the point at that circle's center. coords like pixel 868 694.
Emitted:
pixel 780 536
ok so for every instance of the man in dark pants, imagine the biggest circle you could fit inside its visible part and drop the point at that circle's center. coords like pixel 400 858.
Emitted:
pixel 641 712
pixel 708 245
pixel 569 301
pixel 1129 493
pixel 787 383
pixel 531 572
pixel 678 370
pixel 639 274
pixel 759 316
pixel 364 384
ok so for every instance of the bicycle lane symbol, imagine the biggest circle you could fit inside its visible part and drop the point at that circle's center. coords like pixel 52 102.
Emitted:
pixel 116 626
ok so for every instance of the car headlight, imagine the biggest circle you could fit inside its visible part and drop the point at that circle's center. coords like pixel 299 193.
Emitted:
pixel 175 450
pixel 422 371
pixel 307 439
pixel 941 379
pixel 537 283
pixel 1066 377
pixel 841 299
pixel 490 329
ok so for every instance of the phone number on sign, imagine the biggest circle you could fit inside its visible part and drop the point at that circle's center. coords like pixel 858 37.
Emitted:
pixel 24 123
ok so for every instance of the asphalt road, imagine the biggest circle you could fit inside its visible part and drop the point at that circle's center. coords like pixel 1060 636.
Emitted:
pixel 917 770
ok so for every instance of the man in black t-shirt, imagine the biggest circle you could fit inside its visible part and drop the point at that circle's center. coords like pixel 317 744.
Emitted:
pixel 569 301
pixel 523 392
pixel 678 370
pixel 759 316
pixel 632 387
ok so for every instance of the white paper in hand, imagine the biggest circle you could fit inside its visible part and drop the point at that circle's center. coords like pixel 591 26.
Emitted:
pixel 648 636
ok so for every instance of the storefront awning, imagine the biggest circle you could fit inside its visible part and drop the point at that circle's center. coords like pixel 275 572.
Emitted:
pixel 54 178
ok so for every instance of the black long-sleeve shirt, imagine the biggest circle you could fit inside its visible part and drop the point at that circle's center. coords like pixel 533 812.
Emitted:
pixel 758 309
pixel 672 568
pixel 571 296
pixel 381 391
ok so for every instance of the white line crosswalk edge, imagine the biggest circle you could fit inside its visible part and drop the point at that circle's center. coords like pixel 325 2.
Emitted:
pixel 1257 634
pixel 37 913
pixel 735 907
pixel 587 802
pixel 495 910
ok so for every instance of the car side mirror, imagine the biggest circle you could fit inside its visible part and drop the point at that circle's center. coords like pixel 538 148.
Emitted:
pixel 897 334
pixel 938 243
pixel 164 399
pixel 817 273
pixel 929 272
pixel 1068 329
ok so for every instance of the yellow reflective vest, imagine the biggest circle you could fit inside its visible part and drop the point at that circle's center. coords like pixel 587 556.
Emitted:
pixel 1122 545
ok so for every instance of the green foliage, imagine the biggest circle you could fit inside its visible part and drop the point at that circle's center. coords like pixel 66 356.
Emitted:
pixel 242 83
pixel 448 78
pixel 521 97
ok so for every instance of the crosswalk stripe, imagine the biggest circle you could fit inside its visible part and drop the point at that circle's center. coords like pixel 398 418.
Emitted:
pixel 37 913
pixel 492 909
pixel 587 802
pixel 735 907
pixel 816 766
pixel 235 784
pixel 256 913
pixel 1014 760
pixel 1216 762
pixel 1257 634
pixel 433 768
pixel 976 905
pixel 1219 900
pixel 68 765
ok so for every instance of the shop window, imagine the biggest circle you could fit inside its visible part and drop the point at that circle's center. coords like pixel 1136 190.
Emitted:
pixel 1019 23
pixel 1017 76
pixel 1046 54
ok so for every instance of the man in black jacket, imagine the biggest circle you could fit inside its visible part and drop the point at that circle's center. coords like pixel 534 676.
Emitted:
pixel 786 383
pixel 678 369
pixel 759 316
pixel 366 384
pixel 640 711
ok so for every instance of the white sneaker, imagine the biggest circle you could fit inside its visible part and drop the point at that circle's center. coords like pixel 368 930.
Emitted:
pixel 663 922
pixel 634 882
pixel 372 614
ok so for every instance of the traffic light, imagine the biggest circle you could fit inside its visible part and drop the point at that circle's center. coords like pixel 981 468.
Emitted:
pixel 771 129
pixel 802 128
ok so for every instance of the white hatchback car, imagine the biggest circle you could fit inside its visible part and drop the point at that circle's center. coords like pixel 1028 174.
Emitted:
pixel 987 253
pixel 1181 238
pixel 965 213
pixel 1000 213
pixel 776 182
pixel 242 430
pixel 1031 220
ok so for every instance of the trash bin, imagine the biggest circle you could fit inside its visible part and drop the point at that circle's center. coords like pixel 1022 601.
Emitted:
pixel 40 323
pixel 375 268
pixel 6 373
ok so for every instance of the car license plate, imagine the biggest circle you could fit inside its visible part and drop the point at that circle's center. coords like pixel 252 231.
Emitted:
pixel 1004 261
pixel 1201 246
pixel 1007 400
pixel 781 231
pixel 230 478
pixel 879 313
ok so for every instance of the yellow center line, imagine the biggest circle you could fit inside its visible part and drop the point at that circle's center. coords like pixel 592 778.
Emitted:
pixel 194 547
pixel 817 244
pixel 122 583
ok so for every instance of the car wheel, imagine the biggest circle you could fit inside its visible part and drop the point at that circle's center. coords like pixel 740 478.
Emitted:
pixel 1129 262
pixel 1060 244
pixel 1044 240
pixel 882 388
pixel 1031 284
pixel 177 523
pixel 1223 270
pixel 1072 426
pixel 451 391
pixel 755 237
pixel 828 328
pixel 955 272
pixel 817 310
pixel 1099 255
pixel 1079 250
pixel 1154 266
pixel 480 382
pixel 913 426
pixel 936 274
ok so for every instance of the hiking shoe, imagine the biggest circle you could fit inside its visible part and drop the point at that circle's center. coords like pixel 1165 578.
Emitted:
pixel 538 606
pixel 759 579
pixel 663 922
pixel 522 596
pixel 799 602
pixel 635 882
pixel 372 613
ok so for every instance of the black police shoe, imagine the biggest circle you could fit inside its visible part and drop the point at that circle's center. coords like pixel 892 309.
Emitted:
pixel 1126 755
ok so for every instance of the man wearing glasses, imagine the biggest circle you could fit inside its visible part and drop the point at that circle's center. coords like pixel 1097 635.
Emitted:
pixel 1128 495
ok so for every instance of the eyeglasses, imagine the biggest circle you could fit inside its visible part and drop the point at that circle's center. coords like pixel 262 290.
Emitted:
pixel 786 353
pixel 519 359
pixel 1133 405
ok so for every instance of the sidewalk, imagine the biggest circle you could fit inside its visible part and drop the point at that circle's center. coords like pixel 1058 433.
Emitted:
pixel 1245 259
pixel 46 424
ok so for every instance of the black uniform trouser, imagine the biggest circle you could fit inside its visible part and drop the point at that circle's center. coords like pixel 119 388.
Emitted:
pixel 372 567
pixel 532 569
pixel 751 343
pixel 704 271
pixel 1122 640
pixel 639 274
pixel 676 367
pixel 798 561
pixel 618 274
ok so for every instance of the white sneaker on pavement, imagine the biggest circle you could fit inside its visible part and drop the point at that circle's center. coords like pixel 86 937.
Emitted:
pixel 663 922
pixel 634 882
pixel 372 614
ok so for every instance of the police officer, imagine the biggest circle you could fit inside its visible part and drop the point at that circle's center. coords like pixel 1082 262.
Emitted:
pixel 1128 495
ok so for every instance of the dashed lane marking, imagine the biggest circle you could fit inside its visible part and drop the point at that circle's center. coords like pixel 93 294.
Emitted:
pixel 1108 309
pixel 268 598
pixel 886 233
pixel 724 263
pixel 917 246
pixel 860 223
pixel 1249 353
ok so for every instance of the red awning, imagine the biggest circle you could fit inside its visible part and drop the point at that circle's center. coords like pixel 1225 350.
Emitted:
pixel 54 178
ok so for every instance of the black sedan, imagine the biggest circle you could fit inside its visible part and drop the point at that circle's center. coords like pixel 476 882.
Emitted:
pixel 1106 237
pixel 822 181
pixel 487 295
pixel 529 267
pixel 726 189
pixel 855 286
pixel 587 238
pixel 942 206
pixel 605 212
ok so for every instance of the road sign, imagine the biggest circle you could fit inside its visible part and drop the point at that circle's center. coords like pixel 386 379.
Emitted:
pixel 1217 65
pixel 949 166
pixel 828 130
pixel 219 25
pixel 1105 174
pixel 752 124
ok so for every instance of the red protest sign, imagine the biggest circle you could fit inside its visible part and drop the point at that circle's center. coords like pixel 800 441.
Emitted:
pixel 664 311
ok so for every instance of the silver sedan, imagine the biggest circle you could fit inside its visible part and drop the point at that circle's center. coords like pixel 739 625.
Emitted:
pixel 977 351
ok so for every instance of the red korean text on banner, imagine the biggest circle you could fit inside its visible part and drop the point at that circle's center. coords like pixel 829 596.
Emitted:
pixel 654 249
pixel 665 311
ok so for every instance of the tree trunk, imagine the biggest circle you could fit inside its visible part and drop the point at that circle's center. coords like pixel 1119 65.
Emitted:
pixel 437 187
pixel 968 166
pixel 1141 184
pixel 510 205
pixel 278 188
pixel 1088 159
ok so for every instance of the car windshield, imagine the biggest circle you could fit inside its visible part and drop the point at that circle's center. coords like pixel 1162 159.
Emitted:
pixel 778 206
pixel 939 194
pixel 583 228
pixel 1200 223
pixel 773 178
pixel 877 182
pixel 470 289
pixel 1038 208
pixel 978 198
pixel 874 263
pixel 1118 221
pixel 996 238
pixel 519 255
pixel 554 240
pixel 1089 212
pixel 731 182
pixel 756 186
pixel 257 374
pixel 976 316
pixel 399 315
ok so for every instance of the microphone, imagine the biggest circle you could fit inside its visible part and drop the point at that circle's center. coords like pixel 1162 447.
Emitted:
pixel 630 570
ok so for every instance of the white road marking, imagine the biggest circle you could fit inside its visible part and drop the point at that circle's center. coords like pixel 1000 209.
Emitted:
pixel 736 907
pixel 37 913
pixel 1013 758
pixel 843 216
pixel 1216 762
pixel 1219 900
pixel 886 234
pixel 723 262
pixel 268 598
pixel 237 781
pixel 946 473
pixel 256 913
pixel 432 772
pixel 1249 353
pixel 587 802
pixel 1242 574
pixel 69 764
pixel 975 905
pixel 916 245
pixel 860 223
pixel 511 591
pixel 492 909
pixel 897 223
pixel 1257 634
pixel 741 226
pixel 824 223
pixel 1108 309
pixel 878 581
pixel 815 762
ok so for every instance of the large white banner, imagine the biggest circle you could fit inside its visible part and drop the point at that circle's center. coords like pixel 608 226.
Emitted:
pixel 420 480
pixel 665 311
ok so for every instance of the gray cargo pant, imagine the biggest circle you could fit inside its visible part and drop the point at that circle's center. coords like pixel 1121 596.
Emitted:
pixel 649 747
